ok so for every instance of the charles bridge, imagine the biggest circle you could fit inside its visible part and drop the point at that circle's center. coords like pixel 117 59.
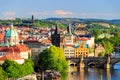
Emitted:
pixel 84 62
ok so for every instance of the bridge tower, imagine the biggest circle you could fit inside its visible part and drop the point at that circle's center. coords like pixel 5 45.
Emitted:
pixel 107 65
pixel 82 65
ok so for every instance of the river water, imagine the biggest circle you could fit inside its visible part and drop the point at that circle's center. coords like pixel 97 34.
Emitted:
pixel 94 73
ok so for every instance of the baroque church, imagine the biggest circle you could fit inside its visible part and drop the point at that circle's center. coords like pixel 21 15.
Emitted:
pixel 11 48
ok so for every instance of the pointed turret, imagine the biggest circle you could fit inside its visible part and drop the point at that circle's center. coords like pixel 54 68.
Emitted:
pixel 32 18
pixel 69 29
pixel 11 26
pixel 56 30
pixel 68 36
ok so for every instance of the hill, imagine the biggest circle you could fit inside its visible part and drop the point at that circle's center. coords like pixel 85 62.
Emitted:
pixel 87 21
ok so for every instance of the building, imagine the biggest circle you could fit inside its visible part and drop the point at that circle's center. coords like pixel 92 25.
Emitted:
pixel 37 46
pixel 69 51
pixel 79 41
pixel 74 43
pixel 57 38
pixel 12 49
pixel 98 49
pixel 81 51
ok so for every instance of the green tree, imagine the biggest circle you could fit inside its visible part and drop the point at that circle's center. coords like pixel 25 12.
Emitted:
pixel 54 56
pixel 108 47
pixel 91 50
pixel 37 24
pixel 52 59
pixel 15 70
pixel 101 54
pixel 3 75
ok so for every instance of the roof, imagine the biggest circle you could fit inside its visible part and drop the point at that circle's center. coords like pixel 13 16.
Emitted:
pixel 1 36
pixel 16 49
pixel 10 57
pixel 83 38
pixel 11 32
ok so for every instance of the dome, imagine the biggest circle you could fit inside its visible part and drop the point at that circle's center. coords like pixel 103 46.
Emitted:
pixel 11 33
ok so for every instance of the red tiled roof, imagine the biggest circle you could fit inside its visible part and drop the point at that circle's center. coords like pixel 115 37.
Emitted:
pixel 45 40
pixel 10 57
pixel 22 47
pixel 85 39
pixel 17 49
pixel 1 36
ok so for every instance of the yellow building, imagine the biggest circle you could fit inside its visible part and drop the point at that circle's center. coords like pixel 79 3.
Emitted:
pixel 81 51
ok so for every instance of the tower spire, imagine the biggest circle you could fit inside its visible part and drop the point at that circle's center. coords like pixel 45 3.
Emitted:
pixel 69 29
pixel 32 18
pixel 11 26
pixel 57 29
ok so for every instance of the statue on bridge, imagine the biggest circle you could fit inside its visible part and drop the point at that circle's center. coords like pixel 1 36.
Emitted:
pixel 107 65
pixel 82 65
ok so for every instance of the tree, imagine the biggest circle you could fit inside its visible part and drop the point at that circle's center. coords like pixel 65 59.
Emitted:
pixel 101 54
pixel 3 75
pixel 108 47
pixel 37 24
pixel 15 70
pixel 52 59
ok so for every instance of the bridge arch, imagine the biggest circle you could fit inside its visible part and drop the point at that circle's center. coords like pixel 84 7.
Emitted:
pixel 70 62
pixel 117 61
pixel 91 64
pixel 94 63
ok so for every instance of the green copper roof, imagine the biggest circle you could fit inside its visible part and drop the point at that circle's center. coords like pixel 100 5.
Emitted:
pixel 11 33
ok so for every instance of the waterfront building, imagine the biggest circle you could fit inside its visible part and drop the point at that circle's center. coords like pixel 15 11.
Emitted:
pixel 98 49
pixel 69 51
pixel 81 51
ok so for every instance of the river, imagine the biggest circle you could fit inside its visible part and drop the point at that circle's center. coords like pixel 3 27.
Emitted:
pixel 94 73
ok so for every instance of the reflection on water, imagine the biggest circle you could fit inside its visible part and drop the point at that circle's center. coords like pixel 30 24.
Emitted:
pixel 93 74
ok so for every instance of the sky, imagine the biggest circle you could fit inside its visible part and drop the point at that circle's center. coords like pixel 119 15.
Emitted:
pixel 41 9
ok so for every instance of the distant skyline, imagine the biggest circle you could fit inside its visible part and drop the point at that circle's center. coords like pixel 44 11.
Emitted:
pixel 41 9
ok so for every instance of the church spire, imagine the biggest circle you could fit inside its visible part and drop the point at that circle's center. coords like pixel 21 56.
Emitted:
pixel 57 29
pixel 11 26
pixel 32 18
pixel 69 29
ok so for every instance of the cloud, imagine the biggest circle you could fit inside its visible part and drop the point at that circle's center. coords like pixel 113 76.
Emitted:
pixel 61 12
pixel 9 14
pixel 55 13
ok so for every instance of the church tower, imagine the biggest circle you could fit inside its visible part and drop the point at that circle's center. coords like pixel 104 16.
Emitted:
pixel 68 36
pixel 56 37
pixel 32 20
